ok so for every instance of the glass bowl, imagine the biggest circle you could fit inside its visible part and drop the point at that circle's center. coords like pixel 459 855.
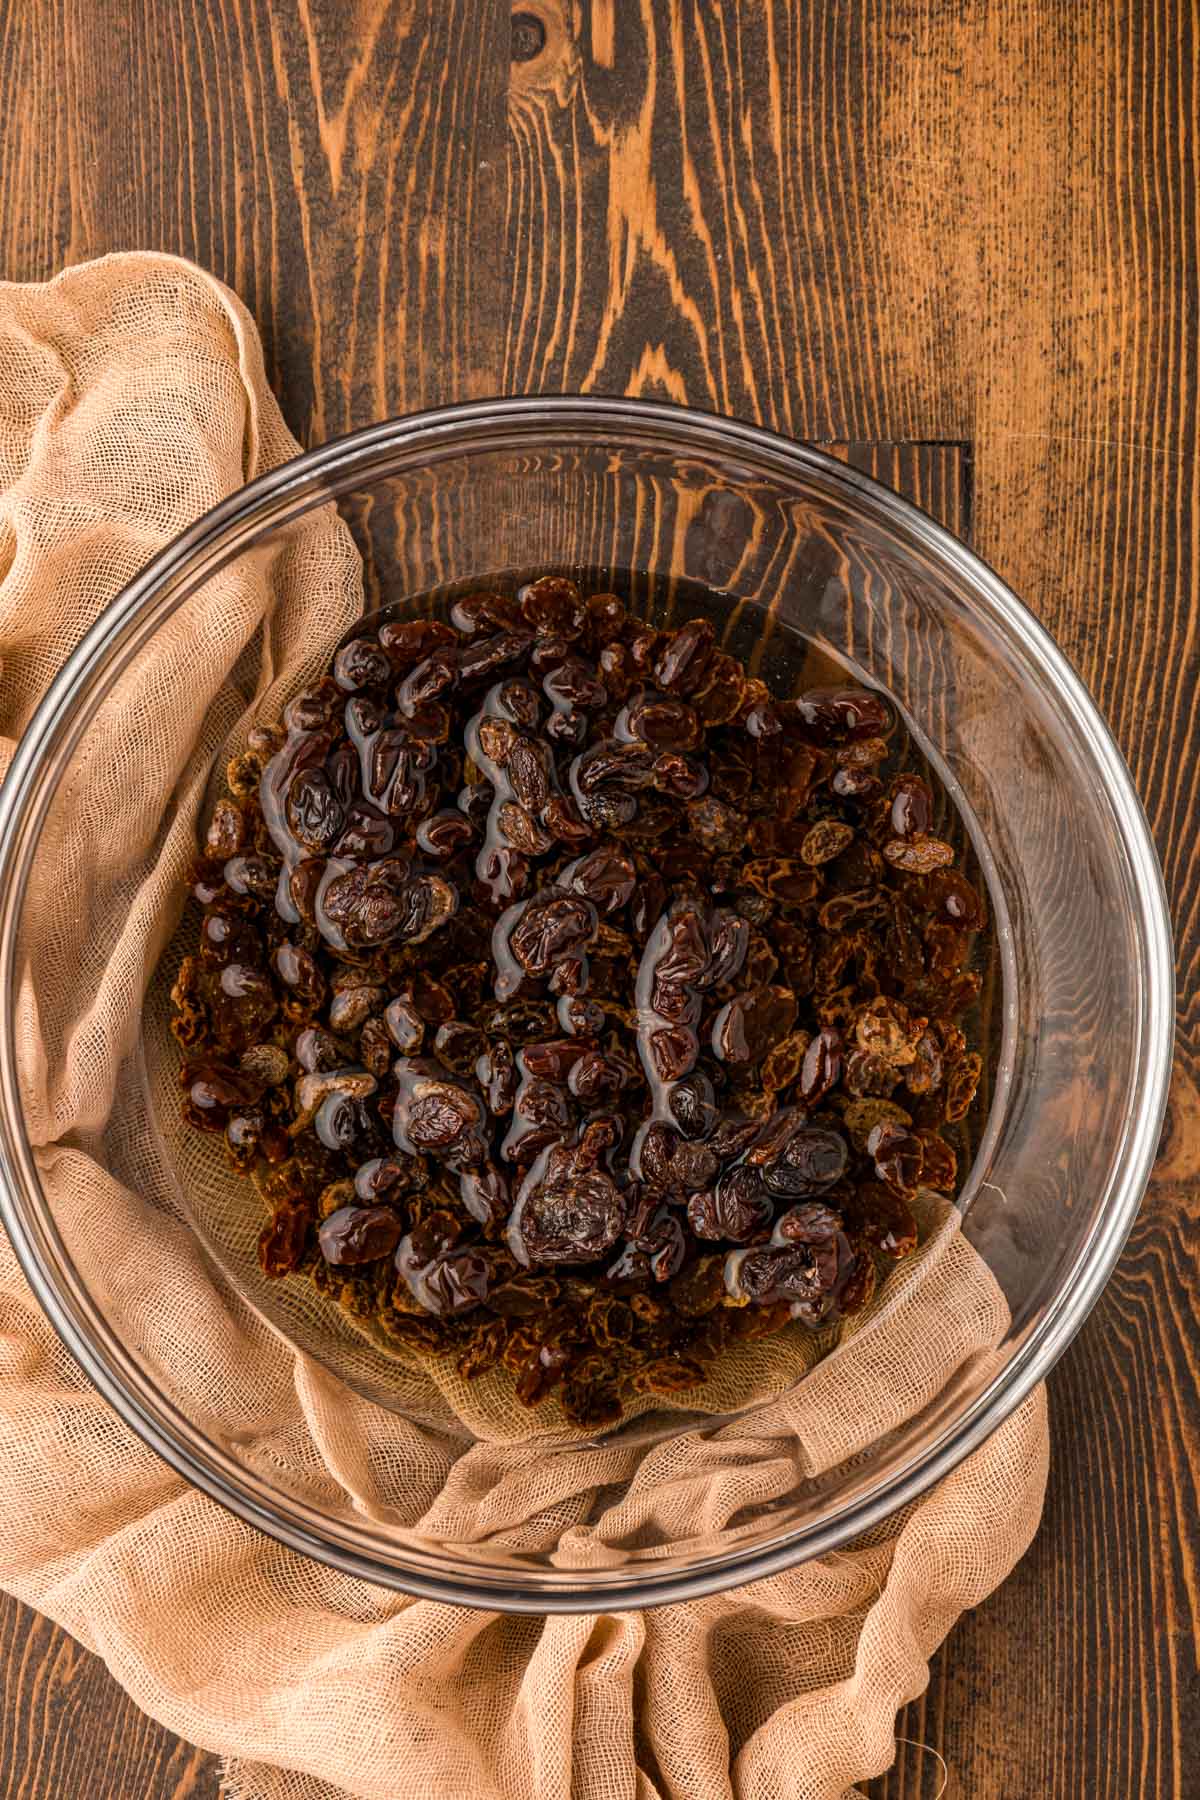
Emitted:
pixel 663 504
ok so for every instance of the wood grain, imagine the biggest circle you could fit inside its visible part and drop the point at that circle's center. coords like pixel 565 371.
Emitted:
pixel 960 220
pixel 67 1730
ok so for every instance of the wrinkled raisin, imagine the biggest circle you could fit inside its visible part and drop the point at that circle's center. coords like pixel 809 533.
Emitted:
pixel 918 855
pixel 825 841
pixel 359 1234
pixel 822 1067
pixel 750 1026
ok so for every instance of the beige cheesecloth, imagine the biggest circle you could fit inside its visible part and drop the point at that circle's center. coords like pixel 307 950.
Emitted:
pixel 132 397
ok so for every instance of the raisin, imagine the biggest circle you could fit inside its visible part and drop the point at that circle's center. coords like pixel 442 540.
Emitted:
pixel 606 877
pixel 445 834
pixel 781 1066
pixel 565 1213
pixel 314 812
pixel 887 1030
pixel 946 948
pixel 951 898
pixel 485 611
pixel 694 1107
pixel 911 807
pixel 868 1076
pixel 780 878
pixel 657 1233
pixel 685 658
pixel 549 929
pixel 553 604
pixel 282 1243
pixel 825 841
pixel 213 1094
pixel 884 1219
pixel 297 970
pixel 748 1028
pixel 497 1073
pixel 361 663
pixel 405 1026
pixel 449 1282
pixel 828 713
pixel 925 1072
pixel 961 1085
pixel 663 724
pixel 484 1193
pixel 459 1045
pixel 854 783
pixel 862 1116
pixel 228 937
pixel 252 874
pixel 226 832
pixel 739 1209
pixel 352 1006
pixel 898 1156
pixel 359 1234
pixel 939 1165
pixel 813 1158
pixel 918 855
pixel 822 1068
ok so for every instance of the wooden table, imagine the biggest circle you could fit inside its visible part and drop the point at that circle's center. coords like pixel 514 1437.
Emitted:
pixel 963 222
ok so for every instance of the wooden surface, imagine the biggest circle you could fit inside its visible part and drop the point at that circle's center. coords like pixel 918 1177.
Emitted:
pixel 970 222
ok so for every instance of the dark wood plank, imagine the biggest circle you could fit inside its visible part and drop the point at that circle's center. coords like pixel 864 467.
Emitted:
pixel 904 219
pixel 341 166
pixel 67 1731
pixel 1080 1675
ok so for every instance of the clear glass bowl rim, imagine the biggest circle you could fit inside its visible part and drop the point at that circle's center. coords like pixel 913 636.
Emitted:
pixel 311 479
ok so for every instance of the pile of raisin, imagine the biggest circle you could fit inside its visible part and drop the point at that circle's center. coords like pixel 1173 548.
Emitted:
pixel 576 1005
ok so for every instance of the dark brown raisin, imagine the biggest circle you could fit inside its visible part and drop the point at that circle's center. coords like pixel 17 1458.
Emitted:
pixel 682 663
pixel 359 1234
pixel 606 877
pixel 739 1209
pixel 813 1158
pixel 828 713
pixel 911 807
pixel 822 1068
pixel 750 1026
pixel 898 1156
